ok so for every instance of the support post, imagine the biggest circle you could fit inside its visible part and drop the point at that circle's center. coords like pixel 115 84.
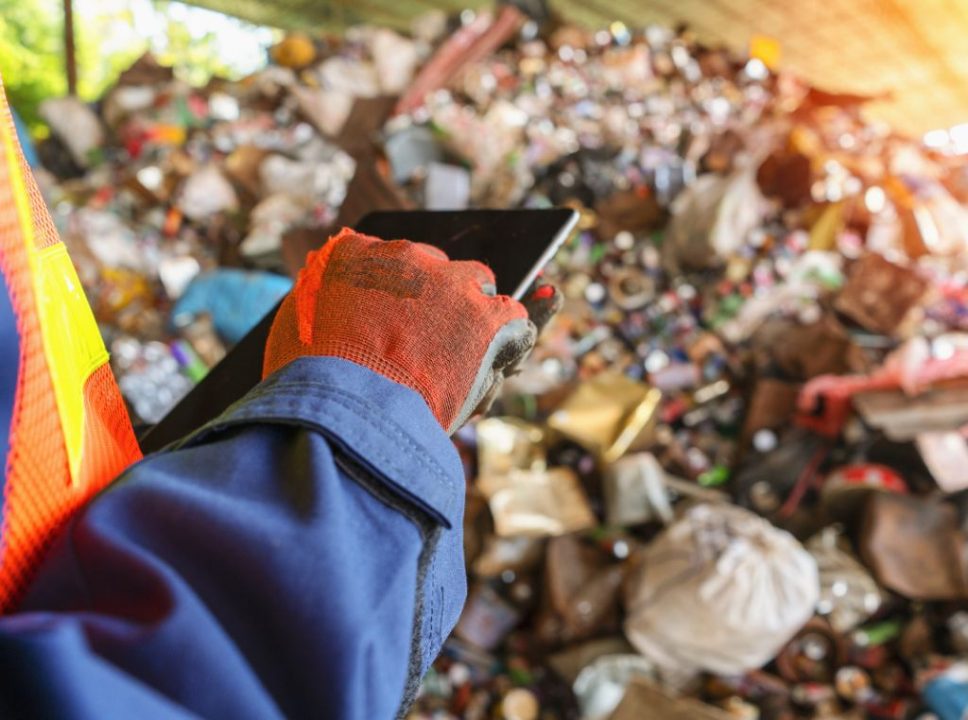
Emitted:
pixel 70 59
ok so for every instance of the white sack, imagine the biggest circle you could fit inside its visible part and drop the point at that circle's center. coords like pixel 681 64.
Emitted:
pixel 721 590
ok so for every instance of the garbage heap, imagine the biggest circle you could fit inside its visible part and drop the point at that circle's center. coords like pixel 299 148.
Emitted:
pixel 730 482
pixel 173 201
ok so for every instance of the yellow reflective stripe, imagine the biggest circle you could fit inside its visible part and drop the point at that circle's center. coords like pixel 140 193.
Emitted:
pixel 72 343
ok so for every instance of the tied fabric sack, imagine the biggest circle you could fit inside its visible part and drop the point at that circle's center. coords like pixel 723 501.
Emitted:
pixel 721 590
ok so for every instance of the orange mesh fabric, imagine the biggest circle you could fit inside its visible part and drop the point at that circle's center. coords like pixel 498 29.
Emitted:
pixel 110 445
pixel 40 495
pixel 401 309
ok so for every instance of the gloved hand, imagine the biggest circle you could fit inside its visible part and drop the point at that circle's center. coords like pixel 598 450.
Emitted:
pixel 405 311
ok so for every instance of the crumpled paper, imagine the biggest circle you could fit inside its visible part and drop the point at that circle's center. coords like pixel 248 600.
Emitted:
pixel 848 593
pixel 537 504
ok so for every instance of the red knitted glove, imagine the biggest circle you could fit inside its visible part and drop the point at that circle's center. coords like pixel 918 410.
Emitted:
pixel 405 311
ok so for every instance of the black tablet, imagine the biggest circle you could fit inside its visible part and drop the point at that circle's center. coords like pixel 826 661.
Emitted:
pixel 516 244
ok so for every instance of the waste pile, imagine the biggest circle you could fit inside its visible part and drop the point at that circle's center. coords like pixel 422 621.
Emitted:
pixel 730 481
pixel 173 201
pixel 727 484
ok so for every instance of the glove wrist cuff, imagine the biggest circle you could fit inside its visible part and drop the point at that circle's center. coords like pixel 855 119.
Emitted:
pixel 378 363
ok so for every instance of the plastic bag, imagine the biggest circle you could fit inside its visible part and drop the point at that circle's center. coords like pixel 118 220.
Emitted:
pixel 206 193
pixel 848 594
pixel 324 182
pixel 328 110
pixel 601 685
pixel 235 299
pixel 272 217
pixel 395 58
pixel 75 123
pixel 710 221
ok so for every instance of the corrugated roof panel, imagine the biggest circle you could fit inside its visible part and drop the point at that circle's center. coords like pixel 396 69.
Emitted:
pixel 916 49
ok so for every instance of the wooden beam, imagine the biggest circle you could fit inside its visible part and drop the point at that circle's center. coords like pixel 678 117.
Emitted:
pixel 70 58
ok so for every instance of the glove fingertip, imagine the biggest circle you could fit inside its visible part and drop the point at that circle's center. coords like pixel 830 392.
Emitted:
pixel 543 304
pixel 544 292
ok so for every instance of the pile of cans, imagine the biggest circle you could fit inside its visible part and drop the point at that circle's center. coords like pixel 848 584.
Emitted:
pixel 717 488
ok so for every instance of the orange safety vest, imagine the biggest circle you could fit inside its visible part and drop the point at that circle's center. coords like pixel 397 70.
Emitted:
pixel 70 434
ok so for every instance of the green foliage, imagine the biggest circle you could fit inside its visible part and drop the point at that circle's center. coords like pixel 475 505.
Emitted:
pixel 106 45
pixel 107 42
pixel 31 56
pixel 195 57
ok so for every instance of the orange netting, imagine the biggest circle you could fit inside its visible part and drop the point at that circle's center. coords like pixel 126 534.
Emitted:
pixel 39 495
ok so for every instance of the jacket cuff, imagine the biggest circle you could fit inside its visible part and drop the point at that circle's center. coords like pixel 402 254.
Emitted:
pixel 383 425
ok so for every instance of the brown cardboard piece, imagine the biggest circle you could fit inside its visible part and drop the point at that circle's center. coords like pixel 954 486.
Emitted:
pixel 914 547
pixel 879 294
pixel 903 417
pixel 645 699
pixel 581 595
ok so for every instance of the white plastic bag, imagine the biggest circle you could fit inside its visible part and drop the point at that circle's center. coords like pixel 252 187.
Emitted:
pixel 269 221
pixel 311 181
pixel 710 220
pixel 396 60
pixel 75 123
pixel 206 193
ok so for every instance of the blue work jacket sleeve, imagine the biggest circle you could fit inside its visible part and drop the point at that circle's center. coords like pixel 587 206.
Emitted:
pixel 300 557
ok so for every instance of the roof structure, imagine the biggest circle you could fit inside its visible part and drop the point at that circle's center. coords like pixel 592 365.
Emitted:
pixel 917 50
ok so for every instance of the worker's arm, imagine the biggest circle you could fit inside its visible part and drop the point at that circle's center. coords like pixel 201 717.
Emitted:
pixel 299 558
pixel 302 556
